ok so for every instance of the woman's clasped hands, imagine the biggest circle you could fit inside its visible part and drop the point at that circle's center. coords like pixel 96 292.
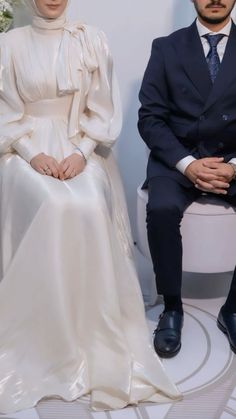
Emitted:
pixel 68 168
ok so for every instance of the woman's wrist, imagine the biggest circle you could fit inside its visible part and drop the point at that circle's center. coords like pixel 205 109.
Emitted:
pixel 81 153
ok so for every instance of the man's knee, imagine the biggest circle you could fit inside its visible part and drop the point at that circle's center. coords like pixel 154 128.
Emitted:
pixel 160 212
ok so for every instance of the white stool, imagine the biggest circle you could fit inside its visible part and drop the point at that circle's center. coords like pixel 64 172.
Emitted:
pixel 209 236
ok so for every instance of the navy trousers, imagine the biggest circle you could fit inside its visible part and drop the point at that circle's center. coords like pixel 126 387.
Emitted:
pixel 167 201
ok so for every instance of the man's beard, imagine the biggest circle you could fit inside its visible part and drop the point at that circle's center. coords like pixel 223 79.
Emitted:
pixel 213 20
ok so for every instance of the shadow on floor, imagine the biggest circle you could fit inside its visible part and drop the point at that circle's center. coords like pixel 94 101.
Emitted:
pixel 202 286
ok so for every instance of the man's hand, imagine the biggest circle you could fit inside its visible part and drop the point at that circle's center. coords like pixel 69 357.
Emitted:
pixel 46 165
pixel 71 166
pixel 224 173
pixel 210 174
pixel 223 170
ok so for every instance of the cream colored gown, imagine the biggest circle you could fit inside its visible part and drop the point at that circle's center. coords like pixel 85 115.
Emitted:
pixel 71 312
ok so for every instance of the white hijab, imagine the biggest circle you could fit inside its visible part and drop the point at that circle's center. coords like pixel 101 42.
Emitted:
pixel 43 22
pixel 76 53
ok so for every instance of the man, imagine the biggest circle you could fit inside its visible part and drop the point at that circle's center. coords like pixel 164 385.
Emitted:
pixel 188 120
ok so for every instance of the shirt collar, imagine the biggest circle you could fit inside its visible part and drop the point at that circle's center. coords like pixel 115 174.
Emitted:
pixel 202 30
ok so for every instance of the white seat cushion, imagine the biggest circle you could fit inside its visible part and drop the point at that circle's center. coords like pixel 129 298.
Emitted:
pixel 209 234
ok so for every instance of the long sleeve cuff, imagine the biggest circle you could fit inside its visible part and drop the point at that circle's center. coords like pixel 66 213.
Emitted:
pixel 86 146
pixel 184 163
pixel 25 148
pixel 232 161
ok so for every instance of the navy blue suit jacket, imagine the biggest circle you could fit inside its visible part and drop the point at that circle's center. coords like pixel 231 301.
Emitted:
pixel 182 112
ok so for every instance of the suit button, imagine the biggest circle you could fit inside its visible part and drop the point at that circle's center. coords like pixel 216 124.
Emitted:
pixel 225 117
pixel 202 117
pixel 220 144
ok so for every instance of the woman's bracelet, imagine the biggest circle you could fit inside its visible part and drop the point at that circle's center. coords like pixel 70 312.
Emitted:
pixel 82 154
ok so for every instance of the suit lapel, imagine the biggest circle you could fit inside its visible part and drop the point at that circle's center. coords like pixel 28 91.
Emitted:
pixel 194 62
pixel 227 71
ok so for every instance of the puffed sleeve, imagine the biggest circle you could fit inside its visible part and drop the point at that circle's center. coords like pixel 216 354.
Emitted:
pixel 15 126
pixel 101 120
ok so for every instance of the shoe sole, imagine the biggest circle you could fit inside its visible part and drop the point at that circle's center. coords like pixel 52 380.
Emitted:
pixel 224 330
pixel 167 354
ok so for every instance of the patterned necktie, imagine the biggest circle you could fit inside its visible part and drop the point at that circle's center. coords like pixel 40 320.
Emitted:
pixel 212 58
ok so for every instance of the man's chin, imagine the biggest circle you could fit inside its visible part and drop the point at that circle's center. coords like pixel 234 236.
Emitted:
pixel 214 20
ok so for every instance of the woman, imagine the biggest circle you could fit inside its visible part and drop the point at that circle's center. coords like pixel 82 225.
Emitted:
pixel 72 319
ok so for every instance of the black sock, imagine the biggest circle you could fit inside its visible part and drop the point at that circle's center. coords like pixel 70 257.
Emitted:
pixel 173 302
pixel 230 304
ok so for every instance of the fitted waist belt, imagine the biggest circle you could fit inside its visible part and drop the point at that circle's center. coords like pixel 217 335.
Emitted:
pixel 49 108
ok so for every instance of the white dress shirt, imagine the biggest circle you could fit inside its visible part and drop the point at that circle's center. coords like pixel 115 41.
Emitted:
pixel 202 30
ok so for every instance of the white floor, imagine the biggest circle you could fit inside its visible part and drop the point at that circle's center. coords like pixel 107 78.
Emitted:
pixel 204 370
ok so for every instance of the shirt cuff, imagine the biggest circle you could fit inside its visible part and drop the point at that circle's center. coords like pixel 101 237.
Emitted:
pixel 232 161
pixel 184 163
pixel 86 146
pixel 25 148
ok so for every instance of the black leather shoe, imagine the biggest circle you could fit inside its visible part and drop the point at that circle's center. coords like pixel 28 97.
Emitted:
pixel 167 336
pixel 227 324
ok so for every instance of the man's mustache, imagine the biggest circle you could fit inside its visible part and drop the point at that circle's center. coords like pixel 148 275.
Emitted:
pixel 215 3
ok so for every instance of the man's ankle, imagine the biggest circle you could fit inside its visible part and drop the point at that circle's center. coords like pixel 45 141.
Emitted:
pixel 173 302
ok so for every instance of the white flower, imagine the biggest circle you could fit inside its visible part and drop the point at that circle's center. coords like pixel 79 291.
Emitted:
pixel 5 6
pixel 6 14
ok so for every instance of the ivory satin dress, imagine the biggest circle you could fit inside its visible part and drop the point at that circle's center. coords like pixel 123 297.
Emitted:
pixel 72 320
